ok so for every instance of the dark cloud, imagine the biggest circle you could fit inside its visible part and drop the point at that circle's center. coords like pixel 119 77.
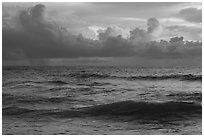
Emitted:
pixel 37 36
pixel 191 14
pixel 152 24
pixel 139 35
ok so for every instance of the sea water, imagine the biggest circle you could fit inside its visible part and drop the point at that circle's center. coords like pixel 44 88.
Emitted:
pixel 101 100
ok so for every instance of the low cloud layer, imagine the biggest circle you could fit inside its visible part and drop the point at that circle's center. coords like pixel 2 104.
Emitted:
pixel 35 35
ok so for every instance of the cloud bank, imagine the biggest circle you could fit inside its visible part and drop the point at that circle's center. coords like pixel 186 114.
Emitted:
pixel 34 35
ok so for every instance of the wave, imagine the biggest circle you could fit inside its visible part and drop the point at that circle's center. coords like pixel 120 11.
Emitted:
pixel 124 108
pixel 189 77
pixel 145 108
pixel 57 82
pixel 33 83
pixel 25 112
pixel 89 75
pixel 194 96
pixel 8 98
pixel 15 111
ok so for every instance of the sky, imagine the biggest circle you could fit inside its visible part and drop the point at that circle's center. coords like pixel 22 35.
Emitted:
pixel 102 33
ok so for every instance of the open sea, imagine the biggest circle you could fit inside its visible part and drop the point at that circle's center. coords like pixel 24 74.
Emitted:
pixel 101 100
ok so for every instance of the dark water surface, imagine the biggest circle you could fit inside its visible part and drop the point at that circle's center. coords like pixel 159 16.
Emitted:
pixel 101 100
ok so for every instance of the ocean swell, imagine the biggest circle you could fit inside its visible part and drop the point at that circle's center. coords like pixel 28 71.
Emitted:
pixel 123 108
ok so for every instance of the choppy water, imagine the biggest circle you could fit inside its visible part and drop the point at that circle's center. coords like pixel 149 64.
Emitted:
pixel 101 100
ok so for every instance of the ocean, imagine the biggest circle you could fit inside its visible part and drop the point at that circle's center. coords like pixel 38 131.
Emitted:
pixel 88 100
